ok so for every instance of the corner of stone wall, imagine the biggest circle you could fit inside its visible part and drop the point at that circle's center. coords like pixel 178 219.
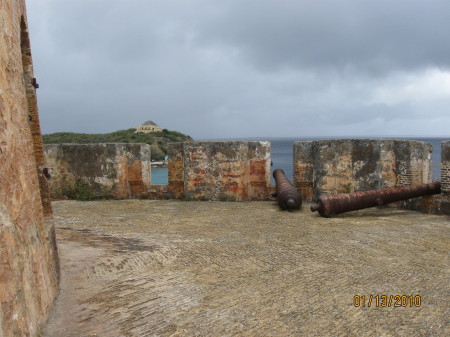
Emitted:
pixel 259 171
pixel 304 169
pixel 175 153
pixel 413 161
pixel 134 170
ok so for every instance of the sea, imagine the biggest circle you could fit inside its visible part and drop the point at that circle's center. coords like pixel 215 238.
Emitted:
pixel 282 155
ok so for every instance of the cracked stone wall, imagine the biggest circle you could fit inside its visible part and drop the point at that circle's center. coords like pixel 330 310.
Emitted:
pixel 347 165
pixel 29 269
pixel 228 171
pixel 103 170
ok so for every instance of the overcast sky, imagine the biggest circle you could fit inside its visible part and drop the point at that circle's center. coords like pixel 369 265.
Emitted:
pixel 244 68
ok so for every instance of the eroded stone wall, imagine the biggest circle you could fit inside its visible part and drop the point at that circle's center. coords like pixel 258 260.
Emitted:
pixel 176 153
pixel 98 170
pixel 28 255
pixel 228 171
pixel 347 165
pixel 445 177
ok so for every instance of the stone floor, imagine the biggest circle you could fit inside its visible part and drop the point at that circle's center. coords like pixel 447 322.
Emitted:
pixel 178 268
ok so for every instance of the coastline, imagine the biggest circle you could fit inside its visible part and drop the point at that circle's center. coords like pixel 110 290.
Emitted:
pixel 159 164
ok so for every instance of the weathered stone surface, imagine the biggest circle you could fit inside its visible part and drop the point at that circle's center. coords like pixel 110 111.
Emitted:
pixel 176 169
pixel 445 167
pixel 28 255
pixel 445 177
pixel 159 192
pixel 187 268
pixel 227 171
pixel 347 165
pixel 104 170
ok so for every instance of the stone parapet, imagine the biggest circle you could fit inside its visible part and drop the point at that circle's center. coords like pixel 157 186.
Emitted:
pixel 98 170
pixel 348 165
pixel 228 171
pixel 176 169
pixel 445 177
pixel 445 167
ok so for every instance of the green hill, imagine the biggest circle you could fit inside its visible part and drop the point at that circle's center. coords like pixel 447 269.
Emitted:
pixel 157 140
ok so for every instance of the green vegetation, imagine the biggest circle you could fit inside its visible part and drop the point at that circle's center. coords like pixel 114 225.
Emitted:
pixel 157 140
pixel 80 191
pixel 348 188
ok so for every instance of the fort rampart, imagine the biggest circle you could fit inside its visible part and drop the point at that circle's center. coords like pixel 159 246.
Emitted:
pixel 111 170
pixel 29 272
pixel 228 171
pixel 240 170
pixel 348 165
pixel 445 177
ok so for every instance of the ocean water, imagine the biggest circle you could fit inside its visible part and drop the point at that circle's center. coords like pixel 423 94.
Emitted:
pixel 159 176
pixel 282 157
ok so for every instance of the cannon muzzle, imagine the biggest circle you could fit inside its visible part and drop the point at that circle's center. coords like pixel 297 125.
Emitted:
pixel 335 204
pixel 289 197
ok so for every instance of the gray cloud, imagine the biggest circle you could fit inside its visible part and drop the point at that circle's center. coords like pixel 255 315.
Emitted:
pixel 243 68
pixel 375 36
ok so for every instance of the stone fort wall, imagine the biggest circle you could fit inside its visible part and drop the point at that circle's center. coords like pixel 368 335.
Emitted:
pixel 103 170
pixel 240 171
pixel 28 256
pixel 445 177
pixel 228 171
pixel 348 165
pixel 233 171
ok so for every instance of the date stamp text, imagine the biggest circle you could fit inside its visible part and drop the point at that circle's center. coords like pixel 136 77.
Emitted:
pixel 387 301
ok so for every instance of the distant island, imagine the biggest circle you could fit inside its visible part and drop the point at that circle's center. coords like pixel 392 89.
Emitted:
pixel 157 139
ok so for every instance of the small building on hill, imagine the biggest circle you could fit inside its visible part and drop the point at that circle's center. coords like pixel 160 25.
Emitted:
pixel 148 126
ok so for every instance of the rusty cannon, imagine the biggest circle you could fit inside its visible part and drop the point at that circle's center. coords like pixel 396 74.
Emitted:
pixel 288 196
pixel 334 204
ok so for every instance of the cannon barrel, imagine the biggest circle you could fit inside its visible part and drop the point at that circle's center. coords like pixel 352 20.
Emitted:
pixel 288 196
pixel 341 203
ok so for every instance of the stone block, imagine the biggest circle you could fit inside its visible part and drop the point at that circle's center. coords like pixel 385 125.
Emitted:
pixel 445 177
pixel 348 165
pixel 101 170
pixel 445 167
pixel 228 171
